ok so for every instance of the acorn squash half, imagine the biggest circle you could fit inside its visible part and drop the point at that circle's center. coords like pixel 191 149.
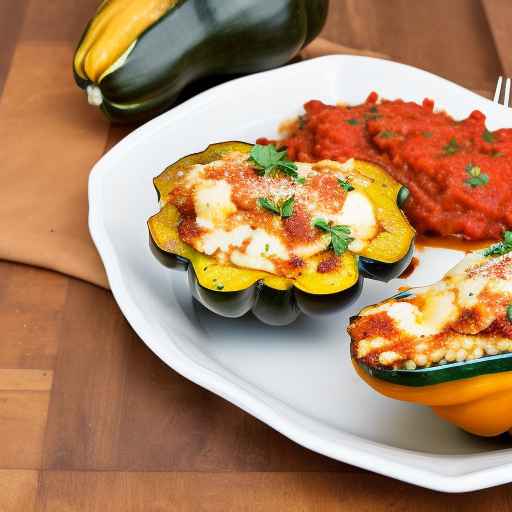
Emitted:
pixel 464 370
pixel 232 291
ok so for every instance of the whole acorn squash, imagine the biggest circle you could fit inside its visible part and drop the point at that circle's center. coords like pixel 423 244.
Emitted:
pixel 274 299
pixel 136 56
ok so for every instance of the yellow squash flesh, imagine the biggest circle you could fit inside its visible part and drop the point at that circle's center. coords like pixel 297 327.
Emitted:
pixel 480 405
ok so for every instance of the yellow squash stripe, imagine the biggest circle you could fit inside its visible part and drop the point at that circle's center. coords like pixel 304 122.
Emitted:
pixel 117 24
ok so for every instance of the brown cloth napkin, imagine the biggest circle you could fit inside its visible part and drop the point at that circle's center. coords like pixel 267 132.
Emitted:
pixel 50 139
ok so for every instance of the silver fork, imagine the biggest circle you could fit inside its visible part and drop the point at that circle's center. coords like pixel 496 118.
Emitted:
pixel 506 93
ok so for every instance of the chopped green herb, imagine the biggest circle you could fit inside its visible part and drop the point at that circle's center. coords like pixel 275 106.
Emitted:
pixel 300 180
pixel 488 136
pixel 452 147
pixel 269 205
pixel 267 247
pixel 497 154
pixel 220 287
pixel 287 207
pixel 269 161
pixel 386 134
pixel 340 238
pixel 427 135
pixel 282 208
pixel 345 185
pixel 477 177
pixel 374 109
pixel 502 247
pixel 509 312
pixel 352 121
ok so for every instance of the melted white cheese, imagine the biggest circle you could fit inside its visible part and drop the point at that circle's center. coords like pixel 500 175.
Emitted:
pixel 213 205
pixel 261 246
pixel 212 202
pixel 427 322
pixel 357 212
pixel 465 287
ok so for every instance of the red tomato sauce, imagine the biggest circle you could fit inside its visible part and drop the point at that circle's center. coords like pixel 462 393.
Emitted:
pixel 458 172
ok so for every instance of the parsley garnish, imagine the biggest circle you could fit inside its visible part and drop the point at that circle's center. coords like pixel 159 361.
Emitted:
pixel 269 161
pixel 509 312
pixel 488 136
pixel 501 247
pixel 386 134
pixel 477 177
pixel 452 147
pixel 339 235
pixel 497 154
pixel 374 109
pixel 345 185
pixel 352 121
pixel 283 209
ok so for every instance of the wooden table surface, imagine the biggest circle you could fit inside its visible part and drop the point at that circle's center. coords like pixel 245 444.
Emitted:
pixel 91 420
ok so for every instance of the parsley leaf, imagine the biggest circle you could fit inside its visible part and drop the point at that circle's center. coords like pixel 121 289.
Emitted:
pixel 452 147
pixel 345 185
pixel 287 207
pixel 488 136
pixel 269 205
pixel 386 134
pixel 497 154
pixel 477 177
pixel 374 109
pixel 340 238
pixel 284 209
pixel 352 121
pixel 509 312
pixel 269 161
pixel 502 247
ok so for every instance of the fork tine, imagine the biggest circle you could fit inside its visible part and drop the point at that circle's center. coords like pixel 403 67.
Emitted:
pixel 506 98
pixel 498 90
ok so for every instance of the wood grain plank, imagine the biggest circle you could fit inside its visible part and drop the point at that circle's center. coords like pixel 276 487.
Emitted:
pixel 25 380
pixel 18 490
pixel 88 384
pixel 11 18
pixel 169 424
pixel 58 20
pixel 30 313
pixel 499 17
pixel 451 39
pixel 23 417
pixel 254 492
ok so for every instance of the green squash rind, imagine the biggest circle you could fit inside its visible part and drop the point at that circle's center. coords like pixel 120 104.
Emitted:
pixel 442 373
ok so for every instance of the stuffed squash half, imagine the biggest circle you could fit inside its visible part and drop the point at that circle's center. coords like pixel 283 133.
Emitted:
pixel 448 345
pixel 258 232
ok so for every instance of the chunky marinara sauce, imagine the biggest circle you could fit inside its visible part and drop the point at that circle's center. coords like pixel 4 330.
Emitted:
pixel 458 172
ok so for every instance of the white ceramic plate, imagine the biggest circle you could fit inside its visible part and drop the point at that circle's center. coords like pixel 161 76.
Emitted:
pixel 297 379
